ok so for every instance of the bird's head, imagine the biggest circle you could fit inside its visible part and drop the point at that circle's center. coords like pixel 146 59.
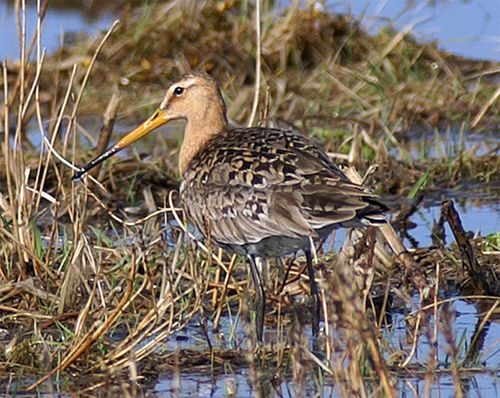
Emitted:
pixel 195 98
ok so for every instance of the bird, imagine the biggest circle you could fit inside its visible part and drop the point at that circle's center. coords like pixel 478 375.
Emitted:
pixel 255 191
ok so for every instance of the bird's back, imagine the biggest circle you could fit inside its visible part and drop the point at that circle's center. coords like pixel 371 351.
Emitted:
pixel 266 191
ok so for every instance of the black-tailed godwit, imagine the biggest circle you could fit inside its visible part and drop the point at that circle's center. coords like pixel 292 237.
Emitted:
pixel 258 192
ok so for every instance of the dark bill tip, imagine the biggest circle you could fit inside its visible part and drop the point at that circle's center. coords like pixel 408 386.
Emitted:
pixel 98 160
pixel 158 119
pixel 78 175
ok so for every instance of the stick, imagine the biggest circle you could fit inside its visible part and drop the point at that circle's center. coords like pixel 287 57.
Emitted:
pixel 468 256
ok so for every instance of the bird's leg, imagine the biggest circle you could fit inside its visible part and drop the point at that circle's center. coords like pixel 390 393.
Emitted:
pixel 281 265
pixel 314 293
pixel 260 298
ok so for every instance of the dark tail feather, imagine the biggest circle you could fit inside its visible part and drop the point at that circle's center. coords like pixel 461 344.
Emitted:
pixel 373 214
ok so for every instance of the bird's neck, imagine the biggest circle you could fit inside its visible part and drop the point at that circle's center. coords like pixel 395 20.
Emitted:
pixel 201 128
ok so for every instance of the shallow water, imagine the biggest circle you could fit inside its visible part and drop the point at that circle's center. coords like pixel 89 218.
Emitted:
pixel 202 385
pixel 479 211
pixel 467 28
pixel 448 144
pixel 478 206
pixel 479 383
pixel 58 23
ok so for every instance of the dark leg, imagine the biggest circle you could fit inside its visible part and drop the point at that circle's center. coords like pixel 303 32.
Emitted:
pixel 260 298
pixel 314 293
pixel 281 264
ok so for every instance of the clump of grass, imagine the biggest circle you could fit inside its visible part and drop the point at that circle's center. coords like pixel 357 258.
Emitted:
pixel 319 68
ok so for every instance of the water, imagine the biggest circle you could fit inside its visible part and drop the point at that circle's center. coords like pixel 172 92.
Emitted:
pixel 228 380
pixel 479 218
pixel 479 210
pixel 202 385
pixel 467 28
pixel 448 144
pixel 58 22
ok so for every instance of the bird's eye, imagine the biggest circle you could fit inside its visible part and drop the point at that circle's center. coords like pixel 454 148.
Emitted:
pixel 178 90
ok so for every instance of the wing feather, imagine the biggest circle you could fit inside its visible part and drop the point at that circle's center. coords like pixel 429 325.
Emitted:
pixel 249 185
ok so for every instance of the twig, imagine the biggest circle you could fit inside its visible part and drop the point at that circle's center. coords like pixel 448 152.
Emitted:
pixel 485 108
pixel 257 65
pixel 468 256
pixel 107 128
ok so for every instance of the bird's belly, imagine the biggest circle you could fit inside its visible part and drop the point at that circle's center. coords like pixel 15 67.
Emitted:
pixel 271 246
pixel 266 246
pixel 239 233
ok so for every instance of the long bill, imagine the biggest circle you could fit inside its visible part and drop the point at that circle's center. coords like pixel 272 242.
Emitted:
pixel 158 119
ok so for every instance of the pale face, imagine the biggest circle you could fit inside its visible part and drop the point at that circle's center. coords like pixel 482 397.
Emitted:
pixel 188 98
pixel 195 98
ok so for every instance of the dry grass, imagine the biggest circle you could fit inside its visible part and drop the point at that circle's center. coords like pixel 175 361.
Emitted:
pixel 77 267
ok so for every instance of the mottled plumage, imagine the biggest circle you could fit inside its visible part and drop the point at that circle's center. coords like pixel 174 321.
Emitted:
pixel 264 192
pixel 259 192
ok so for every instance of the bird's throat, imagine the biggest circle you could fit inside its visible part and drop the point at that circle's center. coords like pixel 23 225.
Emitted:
pixel 198 131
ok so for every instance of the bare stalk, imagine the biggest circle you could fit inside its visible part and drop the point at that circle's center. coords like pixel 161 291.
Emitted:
pixel 257 65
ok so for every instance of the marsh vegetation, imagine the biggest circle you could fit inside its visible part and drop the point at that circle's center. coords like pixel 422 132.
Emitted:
pixel 105 290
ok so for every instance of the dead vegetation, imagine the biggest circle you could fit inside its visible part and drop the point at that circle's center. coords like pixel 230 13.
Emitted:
pixel 84 263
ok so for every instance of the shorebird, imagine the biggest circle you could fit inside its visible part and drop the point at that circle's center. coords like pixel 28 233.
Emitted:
pixel 258 192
